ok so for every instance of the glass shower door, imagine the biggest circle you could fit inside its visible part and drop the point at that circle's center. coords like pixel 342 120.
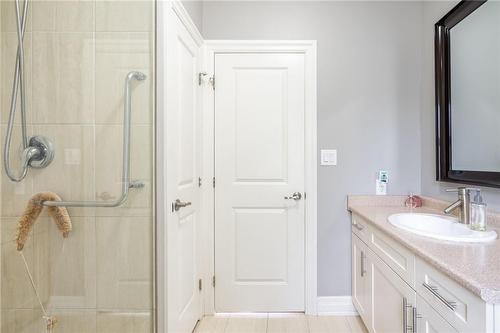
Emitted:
pixel 100 277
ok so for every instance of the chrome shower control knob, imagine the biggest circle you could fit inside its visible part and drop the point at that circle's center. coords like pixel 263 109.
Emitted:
pixel 45 149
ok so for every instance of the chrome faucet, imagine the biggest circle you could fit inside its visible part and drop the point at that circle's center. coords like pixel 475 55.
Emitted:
pixel 463 203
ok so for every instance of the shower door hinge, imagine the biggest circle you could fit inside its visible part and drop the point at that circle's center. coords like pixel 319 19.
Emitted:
pixel 213 182
pixel 213 281
pixel 212 81
pixel 200 77
pixel 199 181
pixel 200 284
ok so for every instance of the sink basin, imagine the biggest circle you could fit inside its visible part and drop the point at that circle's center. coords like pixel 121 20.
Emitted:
pixel 440 227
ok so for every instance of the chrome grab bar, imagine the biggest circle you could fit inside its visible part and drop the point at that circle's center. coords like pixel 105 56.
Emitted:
pixel 126 184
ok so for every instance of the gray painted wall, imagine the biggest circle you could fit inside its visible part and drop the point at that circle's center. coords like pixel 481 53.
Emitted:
pixel 433 11
pixel 195 11
pixel 369 79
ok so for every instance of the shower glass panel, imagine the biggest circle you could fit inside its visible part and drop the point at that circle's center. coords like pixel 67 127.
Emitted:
pixel 100 278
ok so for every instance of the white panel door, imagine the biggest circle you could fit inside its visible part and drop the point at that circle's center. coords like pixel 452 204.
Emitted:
pixel 183 169
pixel 259 159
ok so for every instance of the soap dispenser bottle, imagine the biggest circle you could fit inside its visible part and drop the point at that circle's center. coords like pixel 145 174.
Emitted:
pixel 478 213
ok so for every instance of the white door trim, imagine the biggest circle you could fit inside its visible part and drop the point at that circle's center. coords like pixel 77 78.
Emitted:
pixel 162 207
pixel 336 306
pixel 308 48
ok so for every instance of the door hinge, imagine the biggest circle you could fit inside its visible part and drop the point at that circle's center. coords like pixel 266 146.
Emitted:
pixel 305 195
pixel 200 284
pixel 200 77
pixel 213 182
pixel 199 181
pixel 212 81
pixel 213 281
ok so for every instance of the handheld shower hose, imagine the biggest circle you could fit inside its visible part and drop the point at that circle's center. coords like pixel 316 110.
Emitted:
pixel 37 151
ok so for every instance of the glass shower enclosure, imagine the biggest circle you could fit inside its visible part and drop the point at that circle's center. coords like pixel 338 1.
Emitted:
pixel 87 88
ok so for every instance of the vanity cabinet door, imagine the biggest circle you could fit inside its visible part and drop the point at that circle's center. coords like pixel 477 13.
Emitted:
pixel 393 300
pixel 430 321
pixel 361 278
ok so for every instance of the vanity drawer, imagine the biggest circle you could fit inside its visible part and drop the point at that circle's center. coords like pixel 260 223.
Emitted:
pixel 464 310
pixel 360 228
pixel 396 256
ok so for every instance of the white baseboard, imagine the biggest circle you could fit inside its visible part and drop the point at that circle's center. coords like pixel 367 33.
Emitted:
pixel 336 305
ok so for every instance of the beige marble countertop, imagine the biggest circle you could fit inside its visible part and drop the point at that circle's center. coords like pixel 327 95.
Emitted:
pixel 474 266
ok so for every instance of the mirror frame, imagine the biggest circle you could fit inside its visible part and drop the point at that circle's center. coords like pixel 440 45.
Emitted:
pixel 444 171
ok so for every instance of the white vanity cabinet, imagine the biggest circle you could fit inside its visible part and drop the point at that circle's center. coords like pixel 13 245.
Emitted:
pixel 361 278
pixel 394 291
pixel 393 300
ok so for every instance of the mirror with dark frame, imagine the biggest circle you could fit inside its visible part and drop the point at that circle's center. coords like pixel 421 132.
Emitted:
pixel 467 60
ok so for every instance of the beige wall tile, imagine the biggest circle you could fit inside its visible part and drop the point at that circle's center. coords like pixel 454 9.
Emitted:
pixel 63 78
pixel 71 173
pixel 124 15
pixel 8 17
pixel 8 60
pixel 43 15
pixel 73 265
pixel 75 321
pixel 41 264
pixel 107 263
pixel 22 321
pixel 124 263
pixel 109 322
pixel 108 162
pixel 45 72
pixel 75 16
pixel 116 55
pixel 16 288
pixel 63 16
pixel 15 196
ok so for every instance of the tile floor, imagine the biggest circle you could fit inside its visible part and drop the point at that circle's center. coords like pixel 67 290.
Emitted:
pixel 280 323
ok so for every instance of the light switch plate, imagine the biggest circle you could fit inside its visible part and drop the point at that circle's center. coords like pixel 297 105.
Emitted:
pixel 328 156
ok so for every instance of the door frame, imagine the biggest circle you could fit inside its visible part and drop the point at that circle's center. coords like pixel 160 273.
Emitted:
pixel 209 50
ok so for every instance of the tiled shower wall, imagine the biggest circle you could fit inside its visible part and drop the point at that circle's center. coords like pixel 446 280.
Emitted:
pixel 77 56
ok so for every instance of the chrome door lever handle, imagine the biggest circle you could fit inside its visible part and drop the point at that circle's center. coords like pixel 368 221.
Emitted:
pixel 179 204
pixel 295 196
